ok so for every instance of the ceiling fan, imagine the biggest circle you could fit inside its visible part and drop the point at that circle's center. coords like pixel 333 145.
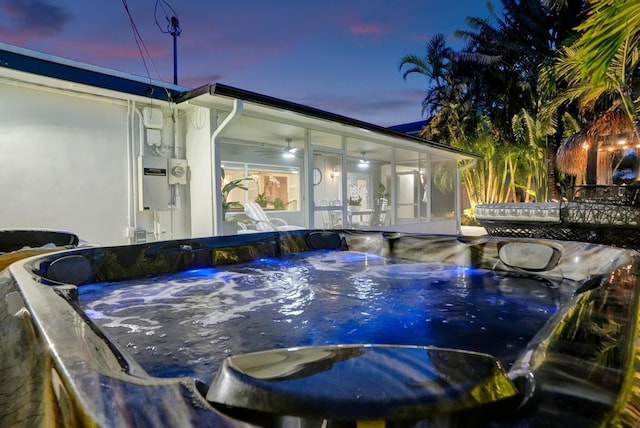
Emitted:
pixel 287 151
pixel 363 162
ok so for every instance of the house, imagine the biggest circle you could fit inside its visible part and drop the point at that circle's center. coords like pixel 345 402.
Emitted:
pixel 118 158
pixel 410 128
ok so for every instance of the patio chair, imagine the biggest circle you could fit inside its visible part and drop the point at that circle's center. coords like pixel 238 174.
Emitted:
pixel 324 215
pixel 335 216
pixel 380 212
pixel 265 223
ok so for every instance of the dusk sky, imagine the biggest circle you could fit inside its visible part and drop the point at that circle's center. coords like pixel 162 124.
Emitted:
pixel 336 55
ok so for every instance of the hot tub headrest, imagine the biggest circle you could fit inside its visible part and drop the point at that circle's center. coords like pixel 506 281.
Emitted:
pixel 72 269
pixel 13 240
pixel 362 382
pixel 325 240
pixel 530 256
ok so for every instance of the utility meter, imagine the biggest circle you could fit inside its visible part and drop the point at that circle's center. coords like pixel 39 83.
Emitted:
pixel 177 171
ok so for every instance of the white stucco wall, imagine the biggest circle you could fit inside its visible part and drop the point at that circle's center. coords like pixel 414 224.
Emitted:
pixel 63 164
pixel 198 130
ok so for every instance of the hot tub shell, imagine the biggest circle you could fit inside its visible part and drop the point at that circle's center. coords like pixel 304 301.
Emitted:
pixel 58 368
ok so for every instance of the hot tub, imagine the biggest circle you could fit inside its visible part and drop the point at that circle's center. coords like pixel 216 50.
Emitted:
pixel 322 328
pixel 17 244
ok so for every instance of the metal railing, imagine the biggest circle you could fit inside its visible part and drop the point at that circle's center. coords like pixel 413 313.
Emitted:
pixel 608 194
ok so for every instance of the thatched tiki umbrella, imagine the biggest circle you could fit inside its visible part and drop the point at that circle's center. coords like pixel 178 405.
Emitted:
pixel 572 155
pixel 593 149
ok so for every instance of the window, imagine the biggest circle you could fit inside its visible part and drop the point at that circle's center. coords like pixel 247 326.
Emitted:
pixel 273 187
pixel 443 189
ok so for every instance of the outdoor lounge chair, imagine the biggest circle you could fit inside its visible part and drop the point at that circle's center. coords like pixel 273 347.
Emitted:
pixel 263 222
pixel 602 219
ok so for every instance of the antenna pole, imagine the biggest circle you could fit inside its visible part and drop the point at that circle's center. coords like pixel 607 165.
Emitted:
pixel 175 32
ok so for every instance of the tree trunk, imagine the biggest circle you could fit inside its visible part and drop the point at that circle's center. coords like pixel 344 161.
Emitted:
pixel 553 191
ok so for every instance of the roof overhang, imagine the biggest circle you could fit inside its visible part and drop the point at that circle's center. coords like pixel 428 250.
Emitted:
pixel 30 67
pixel 219 96
pixel 27 66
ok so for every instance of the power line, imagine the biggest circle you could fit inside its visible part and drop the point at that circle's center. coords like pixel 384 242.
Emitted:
pixel 142 49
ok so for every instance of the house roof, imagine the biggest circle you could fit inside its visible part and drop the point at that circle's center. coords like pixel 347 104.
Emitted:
pixel 411 128
pixel 36 63
pixel 218 89
pixel 28 61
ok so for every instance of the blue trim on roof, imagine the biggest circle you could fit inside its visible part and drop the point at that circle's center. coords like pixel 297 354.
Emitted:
pixel 411 128
pixel 58 70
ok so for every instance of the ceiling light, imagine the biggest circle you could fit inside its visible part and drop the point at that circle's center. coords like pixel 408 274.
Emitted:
pixel 289 152
pixel 289 149
pixel 363 163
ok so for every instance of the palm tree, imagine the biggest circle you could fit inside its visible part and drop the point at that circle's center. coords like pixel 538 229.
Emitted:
pixel 601 67
pixel 494 79
pixel 487 182
pixel 435 65
pixel 515 49
pixel 533 152
pixel 609 27
pixel 614 91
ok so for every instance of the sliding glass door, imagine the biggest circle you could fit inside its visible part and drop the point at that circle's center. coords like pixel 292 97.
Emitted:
pixel 328 199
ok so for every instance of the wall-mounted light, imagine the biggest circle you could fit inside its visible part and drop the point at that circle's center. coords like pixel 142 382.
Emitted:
pixel 335 173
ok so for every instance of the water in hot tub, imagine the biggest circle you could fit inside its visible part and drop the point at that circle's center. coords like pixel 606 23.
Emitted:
pixel 184 324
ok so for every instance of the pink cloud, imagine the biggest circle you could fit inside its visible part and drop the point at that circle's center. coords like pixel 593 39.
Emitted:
pixel 194 81
pixel 116 51
pixel 18 39
pixel 368 30
pixel 421 37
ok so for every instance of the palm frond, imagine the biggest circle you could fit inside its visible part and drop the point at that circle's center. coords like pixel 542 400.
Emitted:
pixel 607 27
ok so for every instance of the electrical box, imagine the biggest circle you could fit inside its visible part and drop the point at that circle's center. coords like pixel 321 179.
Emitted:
pixel 152 118
pixel 154 137
pixel 153 184
pixel 177 171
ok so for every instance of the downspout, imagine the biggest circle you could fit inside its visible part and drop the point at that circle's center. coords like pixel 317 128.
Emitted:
pixel 130 180
pixel 136 191
pixel 140 129
pixel 473 162
pixel 174 188
pixel 216 179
